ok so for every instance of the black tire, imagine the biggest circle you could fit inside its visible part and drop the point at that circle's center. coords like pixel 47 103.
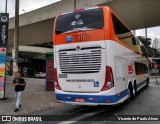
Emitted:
pixel 135 89
pixel 147 83
pixel 130 93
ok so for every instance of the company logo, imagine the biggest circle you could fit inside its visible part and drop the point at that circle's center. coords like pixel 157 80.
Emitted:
pixel 4 19
pixel 79 22
pixel 20 119
pixel 74 23
pixel 78 48
pixel 77 16
pixel 81 37
pixel 6 118
pixel 130 69
pixel 69 39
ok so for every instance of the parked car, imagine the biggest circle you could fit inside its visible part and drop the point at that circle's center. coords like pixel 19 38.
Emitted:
pixel 40 74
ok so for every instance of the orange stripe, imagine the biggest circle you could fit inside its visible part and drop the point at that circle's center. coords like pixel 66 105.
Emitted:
pixel 88 36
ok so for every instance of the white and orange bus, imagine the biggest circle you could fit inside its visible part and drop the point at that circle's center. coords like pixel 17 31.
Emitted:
pixel 97 59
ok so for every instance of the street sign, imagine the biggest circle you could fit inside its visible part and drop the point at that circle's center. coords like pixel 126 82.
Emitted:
pixel 155 66
pixel 4 19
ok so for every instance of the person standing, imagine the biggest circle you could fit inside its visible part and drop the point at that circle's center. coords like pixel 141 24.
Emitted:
pixel 19 84
pixel 25 71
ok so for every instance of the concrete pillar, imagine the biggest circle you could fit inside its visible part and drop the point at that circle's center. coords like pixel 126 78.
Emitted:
pixel 75 2
pixel 134 32
pixel 16 38
pixel 6 6
pixel 145 32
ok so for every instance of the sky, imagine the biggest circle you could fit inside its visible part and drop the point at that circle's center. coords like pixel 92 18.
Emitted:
pixel 153 32
pixel 29 5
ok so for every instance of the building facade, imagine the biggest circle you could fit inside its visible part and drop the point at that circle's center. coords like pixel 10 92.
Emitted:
pixel 156 44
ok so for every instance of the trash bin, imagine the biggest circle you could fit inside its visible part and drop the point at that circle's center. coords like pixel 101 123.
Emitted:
pixel 49 71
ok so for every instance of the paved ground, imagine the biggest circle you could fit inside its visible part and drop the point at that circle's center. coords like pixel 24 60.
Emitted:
pixel 34 98
pixel 155 80
pixel 147 102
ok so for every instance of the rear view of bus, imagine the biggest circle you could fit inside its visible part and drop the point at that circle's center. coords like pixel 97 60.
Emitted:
pixel 87 54
pixel 80 72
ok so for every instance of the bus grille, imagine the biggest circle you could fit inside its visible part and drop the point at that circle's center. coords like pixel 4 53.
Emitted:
pixel 82 62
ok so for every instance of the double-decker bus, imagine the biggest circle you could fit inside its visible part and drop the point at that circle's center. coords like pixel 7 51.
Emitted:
pixel 97 59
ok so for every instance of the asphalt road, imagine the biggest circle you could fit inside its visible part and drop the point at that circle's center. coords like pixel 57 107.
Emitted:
pixel 147 102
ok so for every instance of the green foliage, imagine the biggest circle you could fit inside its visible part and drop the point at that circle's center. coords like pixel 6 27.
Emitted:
pixel 145 41
pixel 152 52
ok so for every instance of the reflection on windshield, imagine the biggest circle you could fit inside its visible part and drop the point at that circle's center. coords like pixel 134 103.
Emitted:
pixel 79 30
pixel 80 21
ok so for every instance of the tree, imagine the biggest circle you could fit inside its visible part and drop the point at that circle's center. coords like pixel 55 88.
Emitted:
pixel 152 52
pixel 145 41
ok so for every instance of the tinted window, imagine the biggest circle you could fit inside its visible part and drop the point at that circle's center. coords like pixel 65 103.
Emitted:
pixel 86 20
pixel 135 41
pixel 119 27
pixel 145 69
pixel 141 68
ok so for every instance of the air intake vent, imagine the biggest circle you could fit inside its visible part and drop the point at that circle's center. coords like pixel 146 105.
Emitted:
pixel 83 61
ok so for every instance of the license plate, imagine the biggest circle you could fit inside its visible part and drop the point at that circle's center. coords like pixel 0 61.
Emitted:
pixel 79 100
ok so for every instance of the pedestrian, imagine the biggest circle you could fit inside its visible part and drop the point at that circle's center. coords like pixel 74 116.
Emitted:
pixel 25 71
pixel 19 84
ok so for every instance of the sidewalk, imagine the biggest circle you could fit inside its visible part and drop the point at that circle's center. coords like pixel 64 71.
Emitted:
pixel 153 80
pixel 155 76
pixel 34 98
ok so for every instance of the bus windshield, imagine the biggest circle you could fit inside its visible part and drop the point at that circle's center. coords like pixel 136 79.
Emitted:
pixel 80 21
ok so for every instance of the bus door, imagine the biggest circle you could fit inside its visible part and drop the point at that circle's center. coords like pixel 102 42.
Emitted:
pixel 120 74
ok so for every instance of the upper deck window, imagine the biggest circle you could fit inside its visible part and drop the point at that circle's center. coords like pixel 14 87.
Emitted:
pixel 119 27
pixel 80 21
